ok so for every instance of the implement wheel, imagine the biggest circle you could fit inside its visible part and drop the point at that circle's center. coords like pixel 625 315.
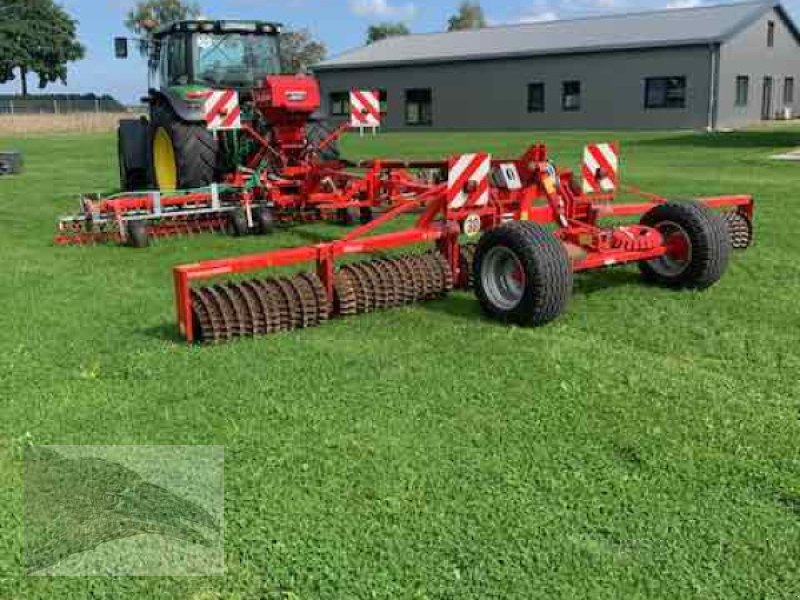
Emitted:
pixel 698 242
pixel 346 216
pixel 237 224
pixel 522 274
pixel 184 154
pixel 265 220
pixel 138 236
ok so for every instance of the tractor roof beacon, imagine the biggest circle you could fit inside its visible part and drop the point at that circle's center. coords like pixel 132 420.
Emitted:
pixel 173 149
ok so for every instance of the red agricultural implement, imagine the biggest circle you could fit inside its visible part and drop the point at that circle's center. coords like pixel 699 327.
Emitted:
pixel 539 227
pixel 286 171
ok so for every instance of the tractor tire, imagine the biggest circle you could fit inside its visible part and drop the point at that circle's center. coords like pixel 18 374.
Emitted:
pixel 138 236
pixel 237 224
pixel 317 132
pixel 185 155
pixel 346 216
pixel 366 215
pixel 265 220
pixel 522 274
pixel 704 244
pixel 133 140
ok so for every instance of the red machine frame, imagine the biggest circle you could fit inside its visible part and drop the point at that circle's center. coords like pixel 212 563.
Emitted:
pixel 285 174
pixel 546 196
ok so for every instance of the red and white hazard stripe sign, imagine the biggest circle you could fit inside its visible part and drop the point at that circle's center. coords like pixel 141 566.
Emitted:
pixel 600 168
pixel 468 181
pixel 222 110
pixel 365 108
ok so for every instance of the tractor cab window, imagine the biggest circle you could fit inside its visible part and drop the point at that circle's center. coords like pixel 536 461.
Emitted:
pixel 235 59
pixel 175 71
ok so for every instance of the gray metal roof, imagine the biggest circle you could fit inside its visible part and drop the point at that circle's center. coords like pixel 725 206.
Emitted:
pixel 675 27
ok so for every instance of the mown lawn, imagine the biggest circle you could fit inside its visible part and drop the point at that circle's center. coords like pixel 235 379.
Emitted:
pixel 647 445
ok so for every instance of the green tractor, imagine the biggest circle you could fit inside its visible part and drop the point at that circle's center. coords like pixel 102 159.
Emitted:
pixel 173 149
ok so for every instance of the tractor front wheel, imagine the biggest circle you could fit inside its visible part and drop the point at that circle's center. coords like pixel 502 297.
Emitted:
pixel 522 274
pixel 184 154
pixel 698 246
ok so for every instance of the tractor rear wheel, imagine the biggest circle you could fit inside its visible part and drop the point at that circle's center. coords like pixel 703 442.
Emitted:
pixel 184 154
pixel 130 180
pixel 522 274
pixel 133 140
pixel 698 242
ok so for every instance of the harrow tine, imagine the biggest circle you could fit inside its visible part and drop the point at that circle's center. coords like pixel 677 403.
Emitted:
pixel 740 228
pixel 260 307
pixel 224 312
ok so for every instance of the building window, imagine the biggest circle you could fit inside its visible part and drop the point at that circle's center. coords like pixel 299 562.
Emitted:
pixel 665 92
pixel 535 97
pixel 788 91
pixel 419 107
pixel 771 34
pixel 571 97
pixel 340 104
pixel 742 90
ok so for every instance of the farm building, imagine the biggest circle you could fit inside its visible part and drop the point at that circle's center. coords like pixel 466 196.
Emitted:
pixel 710 67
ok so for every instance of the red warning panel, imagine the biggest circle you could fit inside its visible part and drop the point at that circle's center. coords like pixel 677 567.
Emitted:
pixel 222 111
pixel 600 168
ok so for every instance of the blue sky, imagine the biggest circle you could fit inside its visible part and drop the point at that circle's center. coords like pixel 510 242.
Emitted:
pixel 341 24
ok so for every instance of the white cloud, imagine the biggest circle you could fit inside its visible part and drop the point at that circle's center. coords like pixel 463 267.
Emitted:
pixel 539 17
pixel 684 3
pixel 383 9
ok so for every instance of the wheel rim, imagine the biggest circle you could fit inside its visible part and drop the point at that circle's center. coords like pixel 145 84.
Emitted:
pixel 503 278
pixel 166 166
pixel 679 251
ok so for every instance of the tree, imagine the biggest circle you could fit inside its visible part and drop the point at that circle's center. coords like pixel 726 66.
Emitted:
pixel 148 14
pixel 300 51
pixel 37 36
pixel 380 32
pixel 470 16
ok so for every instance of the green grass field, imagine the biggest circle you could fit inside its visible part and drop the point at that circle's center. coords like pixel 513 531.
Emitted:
pixel 647 445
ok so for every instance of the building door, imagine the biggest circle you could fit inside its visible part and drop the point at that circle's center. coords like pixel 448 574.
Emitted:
pixel 766 100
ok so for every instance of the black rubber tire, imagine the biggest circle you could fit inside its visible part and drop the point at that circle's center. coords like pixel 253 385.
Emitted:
pixel 547 268
pixel 131 180
pixel 196 148
pixel 265 220
pixel 317 132
pixel 237 224
pixel 709 240
pixel 366 215
pixel 138 236
pixel 346 216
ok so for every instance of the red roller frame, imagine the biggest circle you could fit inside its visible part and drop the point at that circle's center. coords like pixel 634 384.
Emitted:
pixel 542 200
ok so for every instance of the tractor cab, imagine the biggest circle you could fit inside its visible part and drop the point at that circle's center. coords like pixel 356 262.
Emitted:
pixel 215 54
